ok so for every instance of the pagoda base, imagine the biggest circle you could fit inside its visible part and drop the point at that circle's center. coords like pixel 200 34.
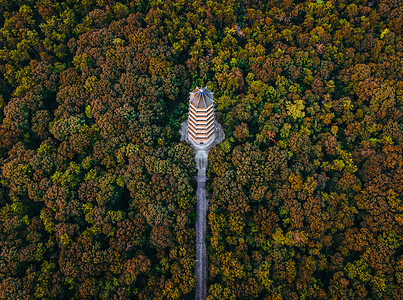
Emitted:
pixel 219 136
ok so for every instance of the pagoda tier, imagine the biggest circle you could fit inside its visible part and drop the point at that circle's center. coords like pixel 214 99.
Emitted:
pixel 201 124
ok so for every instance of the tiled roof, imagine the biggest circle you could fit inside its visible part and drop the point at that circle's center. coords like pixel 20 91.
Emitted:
pixel 201 97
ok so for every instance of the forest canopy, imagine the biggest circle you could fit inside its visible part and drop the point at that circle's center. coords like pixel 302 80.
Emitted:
pixel 97 193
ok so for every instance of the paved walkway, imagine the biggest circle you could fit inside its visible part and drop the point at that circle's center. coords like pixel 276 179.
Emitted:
pixel 202 206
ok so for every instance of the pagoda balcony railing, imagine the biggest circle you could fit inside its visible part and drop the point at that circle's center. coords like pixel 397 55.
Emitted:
pixel 205 137
pixel 201 120
pixel 202 110
pixel 201 123
pixel 201 126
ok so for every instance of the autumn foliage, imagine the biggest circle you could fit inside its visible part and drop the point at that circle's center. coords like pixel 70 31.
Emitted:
pixel 97 193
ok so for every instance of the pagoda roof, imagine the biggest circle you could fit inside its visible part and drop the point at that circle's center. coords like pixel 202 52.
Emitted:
pixel 201 97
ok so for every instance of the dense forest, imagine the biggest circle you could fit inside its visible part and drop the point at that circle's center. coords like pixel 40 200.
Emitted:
pixel 97 193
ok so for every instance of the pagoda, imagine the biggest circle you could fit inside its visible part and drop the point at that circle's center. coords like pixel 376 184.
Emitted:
pixel 201 121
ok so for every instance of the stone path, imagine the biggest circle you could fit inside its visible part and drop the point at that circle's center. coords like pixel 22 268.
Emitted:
pixel 201 255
